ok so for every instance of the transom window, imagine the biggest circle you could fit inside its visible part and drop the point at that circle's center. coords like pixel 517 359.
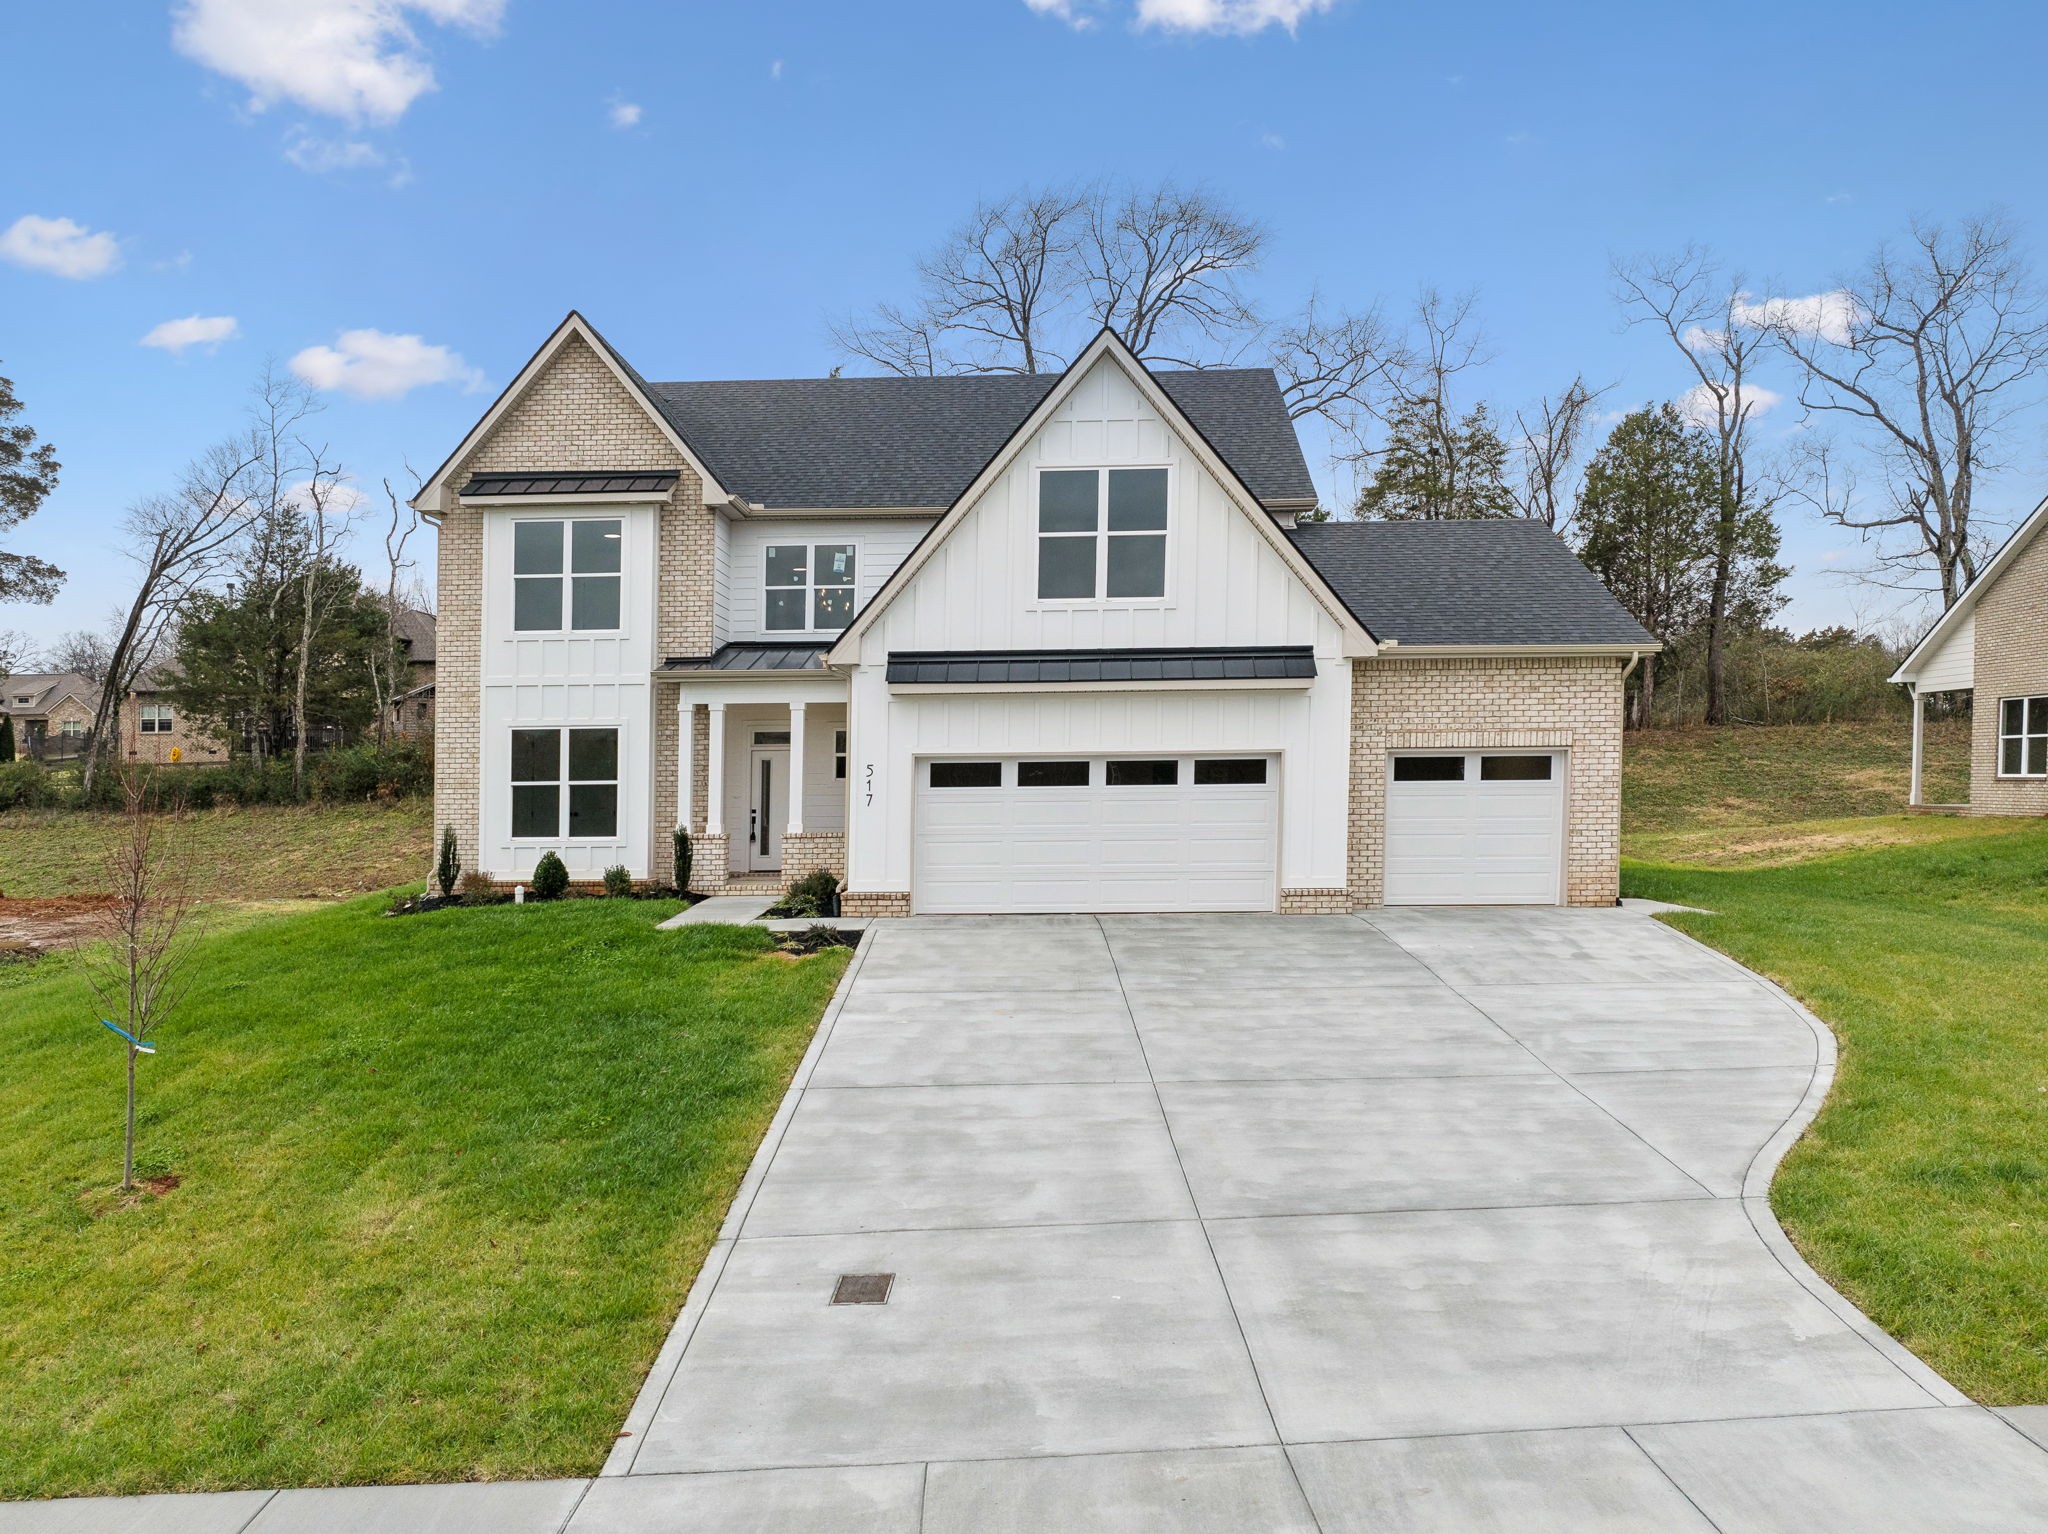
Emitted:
pixel 1101 534
pixel 2023 737
pixel 565 784
pixel 566 568
pixel 809 586
pixel 156 719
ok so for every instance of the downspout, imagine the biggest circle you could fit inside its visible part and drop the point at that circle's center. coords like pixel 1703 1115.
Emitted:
pixel 1634 659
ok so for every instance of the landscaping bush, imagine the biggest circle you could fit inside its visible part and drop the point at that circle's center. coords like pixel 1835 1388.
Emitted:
pixel 477 888
pixel 617 881
pixel 815 894
pixel 353 773
pixel 550 878
pixel 685 853
pixel 449 867
pixel 365 772
pixel 25 785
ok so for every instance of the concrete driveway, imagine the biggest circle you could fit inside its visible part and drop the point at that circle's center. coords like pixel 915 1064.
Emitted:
pixel 1438 1220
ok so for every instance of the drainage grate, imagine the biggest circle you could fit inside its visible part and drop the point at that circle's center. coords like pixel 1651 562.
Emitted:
pixel 862 1289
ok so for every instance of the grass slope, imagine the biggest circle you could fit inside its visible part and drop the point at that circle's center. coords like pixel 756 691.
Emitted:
pixel 1921 1191
pixel 260 852
pixel 444 1181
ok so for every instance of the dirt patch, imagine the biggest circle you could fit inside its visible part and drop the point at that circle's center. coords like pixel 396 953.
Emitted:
pixel 62 921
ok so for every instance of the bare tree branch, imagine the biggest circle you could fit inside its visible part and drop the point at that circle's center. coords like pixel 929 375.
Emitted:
pixel 1550 435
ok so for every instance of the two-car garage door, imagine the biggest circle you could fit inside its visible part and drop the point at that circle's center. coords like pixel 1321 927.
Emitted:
pixel 1137 833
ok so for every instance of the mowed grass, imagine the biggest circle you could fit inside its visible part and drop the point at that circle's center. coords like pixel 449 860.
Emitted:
pixel 259 852
pixel 1921 1191
pixel 443 1182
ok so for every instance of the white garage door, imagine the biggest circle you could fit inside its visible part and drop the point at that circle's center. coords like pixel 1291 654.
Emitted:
pixel 1153 833
pixel 1475 828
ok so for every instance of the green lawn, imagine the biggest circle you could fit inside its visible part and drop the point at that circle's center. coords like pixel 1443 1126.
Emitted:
pixel 442 1183
pixel 1921 1191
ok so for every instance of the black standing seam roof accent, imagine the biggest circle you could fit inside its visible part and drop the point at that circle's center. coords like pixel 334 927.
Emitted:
pixel 571 482
pixel 1008 667
pixel 753 657
pixel 1508 581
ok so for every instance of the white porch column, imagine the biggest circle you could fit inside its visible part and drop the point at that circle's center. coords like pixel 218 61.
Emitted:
pixel 796 771
pixel 1913 796
pixel 714 773
pixel 686 745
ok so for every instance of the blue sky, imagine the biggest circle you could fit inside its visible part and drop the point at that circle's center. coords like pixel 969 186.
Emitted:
pixel 711 183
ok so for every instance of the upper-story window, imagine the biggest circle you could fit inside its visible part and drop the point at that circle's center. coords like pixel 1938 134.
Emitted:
pixel 808 587
pixel 567 569
pixel 156 718
pixel 1101 535
pixel 2023 737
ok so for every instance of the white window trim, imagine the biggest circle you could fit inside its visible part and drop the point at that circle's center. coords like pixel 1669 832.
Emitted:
pixel 1036 603
pixel 810 588
pixel 2026 702
pixel 568 592
pixel 155 719
pixel 564 783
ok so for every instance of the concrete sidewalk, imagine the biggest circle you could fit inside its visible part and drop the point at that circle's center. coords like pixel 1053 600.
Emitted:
pixel 1434 1221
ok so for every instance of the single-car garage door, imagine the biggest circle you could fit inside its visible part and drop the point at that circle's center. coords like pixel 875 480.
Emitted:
pixel 1475 828
pixel 1125 833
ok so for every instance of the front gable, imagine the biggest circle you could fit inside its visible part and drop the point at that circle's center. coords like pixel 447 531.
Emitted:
pixel 1232 576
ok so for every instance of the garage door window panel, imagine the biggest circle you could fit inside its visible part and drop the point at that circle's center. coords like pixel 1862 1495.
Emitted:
pixel 1231 770
pixel 1429 769
pixel 1142 774
pixel 1052 774
pixel 967 775
pixel 1515 769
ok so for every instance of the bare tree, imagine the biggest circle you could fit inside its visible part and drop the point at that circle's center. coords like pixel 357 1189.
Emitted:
pixel 139 975
pixel 1549 435
pixel 324 504
pixel 1929 352
pixel 15 649
pixel 1343 366
pixel 1706 316
pixel 1161 268
pixel 384 677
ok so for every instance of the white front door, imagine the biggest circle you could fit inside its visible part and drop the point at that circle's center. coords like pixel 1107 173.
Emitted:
pixel 1475 828
pixel 1126 833
pixel 767 805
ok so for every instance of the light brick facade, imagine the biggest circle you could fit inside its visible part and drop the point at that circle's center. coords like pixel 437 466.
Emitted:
pixel 805 852
pixel 157 745
pixel 1480 703
pixel 1314 902
pixel 874 903
pixel 2011 661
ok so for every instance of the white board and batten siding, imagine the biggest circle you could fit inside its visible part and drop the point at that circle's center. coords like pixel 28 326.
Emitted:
pixel 880 545
pixel 565 681
pixel 1225 586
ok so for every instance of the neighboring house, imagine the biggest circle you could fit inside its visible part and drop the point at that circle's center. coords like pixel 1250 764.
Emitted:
pixel 412 713
pixel 154 730
pixel 1994 643
pixel 51 710
pixel 1002 643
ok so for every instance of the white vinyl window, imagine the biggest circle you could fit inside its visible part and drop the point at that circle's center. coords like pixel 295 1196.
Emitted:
pixel 1102 535
pixel 808 587
pixel 156 718
pixel 566 574
pixel 2023 737
pixel 565 784
pixel 839 753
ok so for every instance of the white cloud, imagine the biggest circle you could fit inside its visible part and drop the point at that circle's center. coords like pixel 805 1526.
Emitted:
pixel 355 59
pixel 1837 199
pixel 1272 140
pixel 1075 13
pixel 339 496
pixel 1830 315
pixel 373 364
pixel 59 245
pixel 1241 17
pixel 1698 405
pixel 624 114
pixel 207 330
pixel 323 156
pixel 775 70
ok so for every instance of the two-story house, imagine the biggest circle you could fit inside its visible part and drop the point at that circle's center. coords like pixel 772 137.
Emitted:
pixel 1002 643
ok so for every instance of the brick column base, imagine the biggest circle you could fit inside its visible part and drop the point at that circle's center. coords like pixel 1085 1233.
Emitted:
pixel 874 903
pixel 1316 902
pixel 805 852
pixel 710 863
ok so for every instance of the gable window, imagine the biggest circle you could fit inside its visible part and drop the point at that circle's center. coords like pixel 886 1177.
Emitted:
pixel 2023 737
pixel 809 587
pixel 156 719
pixel 567 569
pixel 1102 535
pixel 565 783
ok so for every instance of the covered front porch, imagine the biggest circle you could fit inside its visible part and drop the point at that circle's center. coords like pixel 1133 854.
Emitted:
pixel 761 775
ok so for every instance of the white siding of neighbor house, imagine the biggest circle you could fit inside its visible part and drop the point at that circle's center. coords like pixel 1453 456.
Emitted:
pixel 1225 586
pixel 563 682
pixel 880 545
pixel 1954 664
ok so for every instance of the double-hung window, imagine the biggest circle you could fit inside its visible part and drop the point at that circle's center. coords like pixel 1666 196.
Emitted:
pixel 809 587
pixel 569 569
pixel 2023 737
pixel 1101 535
pixel 565 783
pixel 156 719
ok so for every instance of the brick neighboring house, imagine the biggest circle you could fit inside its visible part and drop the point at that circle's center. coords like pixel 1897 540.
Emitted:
pixel 1016 643
pixel 153 730
pixel 1993 643
pixel 412 714
pixel 51 710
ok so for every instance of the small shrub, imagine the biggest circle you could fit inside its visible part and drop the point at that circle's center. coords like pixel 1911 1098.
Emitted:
pixel 477 888
pixel 812 895
pixel 617 881
pixel 815 938
pixel 684 854
pixel 550 878
pixel 25 785
pixel 449 868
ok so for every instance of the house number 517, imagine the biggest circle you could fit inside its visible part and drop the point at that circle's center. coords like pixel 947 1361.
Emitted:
pixel 871 783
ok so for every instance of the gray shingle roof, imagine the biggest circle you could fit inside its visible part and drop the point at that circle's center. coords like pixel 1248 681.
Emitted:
pixel 976 667
pixel 845 442
pixel 1509 582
